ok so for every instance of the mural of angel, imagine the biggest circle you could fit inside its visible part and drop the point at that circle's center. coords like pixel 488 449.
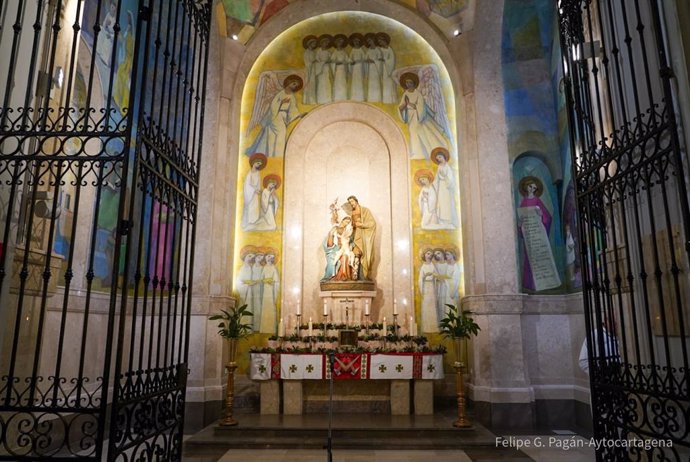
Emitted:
pixel 251 213
pixel 374 60
pixel 324 71
pixel 427 199
pixel 389 88
pixel 444 183
pixel 270 286
pixel 309 43
pixel 357 66
pixel 339 64
pixel 275 108
pixel 422 107
pixel 268 205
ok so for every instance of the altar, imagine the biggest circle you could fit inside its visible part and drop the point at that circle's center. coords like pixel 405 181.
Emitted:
pixel 404 379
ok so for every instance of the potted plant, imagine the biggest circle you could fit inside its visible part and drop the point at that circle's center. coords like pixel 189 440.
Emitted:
pixel 232 328
pixel 459 326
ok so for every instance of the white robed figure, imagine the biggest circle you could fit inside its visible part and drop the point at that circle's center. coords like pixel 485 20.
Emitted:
pixel 270 281
pixel 310 43
pixel 257 289
pixel 427 289
pixel 441 266
pixel 453 274
pixel 251 192
pixel 357 66
pixel 275 108
pixel 244 283
pixel 427 199
pixel 374 61
pixel 339 65
pixel 422 108
pixel 324 71
pixel 444 183
pixel 389 93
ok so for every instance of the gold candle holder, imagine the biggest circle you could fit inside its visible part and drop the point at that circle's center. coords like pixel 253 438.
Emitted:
pixel 228 419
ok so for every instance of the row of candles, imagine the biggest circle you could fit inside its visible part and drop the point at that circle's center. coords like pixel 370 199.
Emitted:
pixel 412 329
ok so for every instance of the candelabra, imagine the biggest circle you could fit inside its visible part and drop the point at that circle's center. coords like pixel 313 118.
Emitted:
pixel 395 324
pixel 366 315
pixel 299 322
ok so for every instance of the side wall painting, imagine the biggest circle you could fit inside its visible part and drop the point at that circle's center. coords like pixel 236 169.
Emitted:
pixel 539 229
pixel 367 59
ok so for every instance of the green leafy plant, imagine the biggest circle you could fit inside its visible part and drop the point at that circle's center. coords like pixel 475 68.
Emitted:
pixel 231 323
pixel 458 325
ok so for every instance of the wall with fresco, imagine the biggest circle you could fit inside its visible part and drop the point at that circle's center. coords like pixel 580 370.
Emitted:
pixel 345 60
pixel 547 239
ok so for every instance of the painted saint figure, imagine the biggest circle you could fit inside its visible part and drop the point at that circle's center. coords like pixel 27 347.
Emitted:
pixel 244 282
pixel 357 66
pixel 444 183
pixel 270 282
pixel 441 282
pixel 389 93
pixel 339 64
pixel 426 283
pixel 427 199
pixel 424 132
pixel 251 213
pixel 531 189
pixel 309 43
pixel 453 275
pixel 323 70
pixel 374 61
pixel 281 112
pixel 257 289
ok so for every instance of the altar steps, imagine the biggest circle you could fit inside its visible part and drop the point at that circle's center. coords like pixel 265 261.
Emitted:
pixel 350 431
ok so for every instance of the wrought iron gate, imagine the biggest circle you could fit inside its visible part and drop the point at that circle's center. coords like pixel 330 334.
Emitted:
pixel 630 169
pixel 101 120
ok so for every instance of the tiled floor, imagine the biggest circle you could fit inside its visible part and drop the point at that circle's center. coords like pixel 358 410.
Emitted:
pixel 544 454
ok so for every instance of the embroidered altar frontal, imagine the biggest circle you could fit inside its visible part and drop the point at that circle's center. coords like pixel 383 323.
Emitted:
pixel 346 366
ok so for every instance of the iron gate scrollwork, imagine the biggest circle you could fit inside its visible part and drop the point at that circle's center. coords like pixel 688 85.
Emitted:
pixel 634 220
pixel 101 123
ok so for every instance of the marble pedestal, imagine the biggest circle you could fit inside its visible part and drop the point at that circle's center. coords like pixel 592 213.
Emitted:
pixel 347 303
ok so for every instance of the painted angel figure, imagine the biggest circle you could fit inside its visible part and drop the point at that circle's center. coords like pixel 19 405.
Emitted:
pixel 422 107
pixel 275 108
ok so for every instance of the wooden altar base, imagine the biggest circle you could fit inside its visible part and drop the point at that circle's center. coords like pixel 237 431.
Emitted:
pixel 350 431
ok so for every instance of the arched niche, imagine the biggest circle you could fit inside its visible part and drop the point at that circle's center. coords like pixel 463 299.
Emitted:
pixel 338 150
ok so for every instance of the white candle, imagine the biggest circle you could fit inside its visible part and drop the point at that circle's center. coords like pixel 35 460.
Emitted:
pixel 384 326
pixel 299 308
pixel 311 328
pixel 366 308
pixel 325 308
pixel 411 324
pixel 395 307
pixel 281 328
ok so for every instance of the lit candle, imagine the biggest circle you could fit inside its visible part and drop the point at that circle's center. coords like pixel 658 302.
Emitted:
pixel 325 308
pixel 366 307
pixel 384 326
pixel 281 328
pixel 299 308
pixel 311 328
pixel 411 325
pixel 395 307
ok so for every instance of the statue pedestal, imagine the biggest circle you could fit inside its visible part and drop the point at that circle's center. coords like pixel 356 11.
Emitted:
pixel 347 297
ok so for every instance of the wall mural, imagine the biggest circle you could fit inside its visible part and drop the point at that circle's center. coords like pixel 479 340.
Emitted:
pixel 537 127
pixel 539 241
pixel 349 56
pixel 244 16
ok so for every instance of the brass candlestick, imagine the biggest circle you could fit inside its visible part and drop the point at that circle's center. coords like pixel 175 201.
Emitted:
pixel 463 421
pixel 228 419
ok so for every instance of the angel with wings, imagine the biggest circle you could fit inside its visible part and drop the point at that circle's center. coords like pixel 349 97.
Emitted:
pixel 275 108
pixel 422 107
